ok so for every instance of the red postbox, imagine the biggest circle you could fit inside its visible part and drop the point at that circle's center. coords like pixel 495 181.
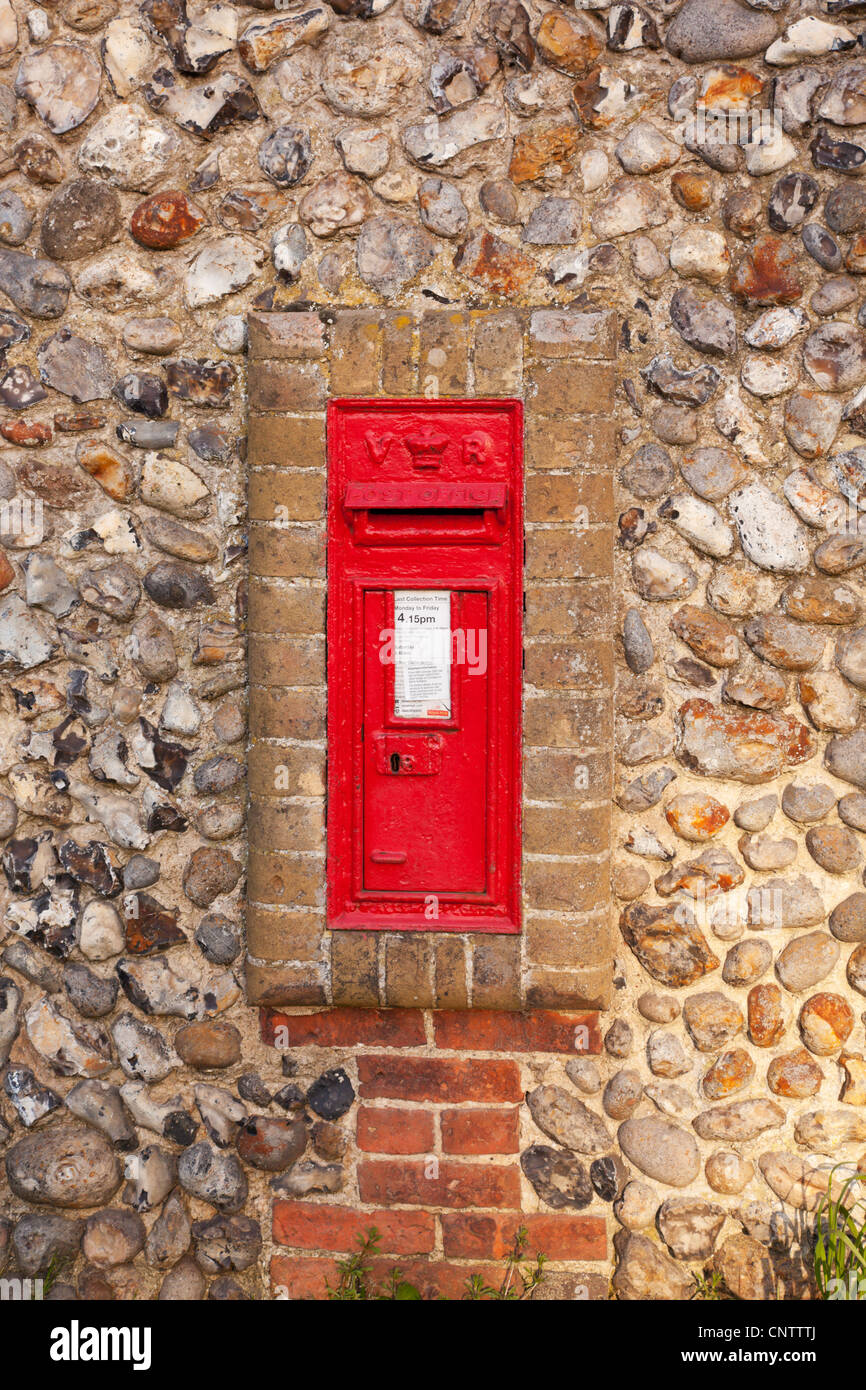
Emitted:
pixel 425 557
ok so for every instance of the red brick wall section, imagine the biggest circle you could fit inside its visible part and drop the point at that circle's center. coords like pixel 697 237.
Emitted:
pixel 435 1138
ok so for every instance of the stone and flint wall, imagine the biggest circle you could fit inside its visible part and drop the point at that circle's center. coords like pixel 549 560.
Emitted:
pixel 169 175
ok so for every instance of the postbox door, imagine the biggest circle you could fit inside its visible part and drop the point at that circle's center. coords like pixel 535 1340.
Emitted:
pixel 425 783
pixel 425 515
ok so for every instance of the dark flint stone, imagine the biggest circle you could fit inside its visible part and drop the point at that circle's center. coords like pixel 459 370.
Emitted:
pixel 41 1238
pixel 559 1177
pixel 142 392
pixel 218 939
pixel 226 1290
pixel 173 584
pixel 68 745
pixel 690 388
pixel 166 817
pixel 91 864
pixel 845 209
pixel 19 859
pixel 13 330
pixel 252 1088
pixel 822 246
pixel 842 155
pixel 331 1094
pixel 218 774
pixel 289 1098
pixel 608 1176
pixel 201 383
pixel 693 673
pixel 36 286
pixel 89 993
pixel 286 155
pixel 19 388
pixel 180 1127
pixel 148 434
pixel 791 200
pixel 169 759
pixel 210 444
pixel 140 872
pixel 149 926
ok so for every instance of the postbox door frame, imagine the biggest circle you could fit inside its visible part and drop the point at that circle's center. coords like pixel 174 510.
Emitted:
pixel 353 568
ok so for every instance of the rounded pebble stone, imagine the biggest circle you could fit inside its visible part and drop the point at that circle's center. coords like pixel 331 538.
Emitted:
pixel 208 1045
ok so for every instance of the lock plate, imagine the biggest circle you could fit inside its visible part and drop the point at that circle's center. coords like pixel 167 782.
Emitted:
pixel 408 755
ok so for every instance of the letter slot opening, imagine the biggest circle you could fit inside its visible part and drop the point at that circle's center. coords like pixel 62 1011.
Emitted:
pixel 426 514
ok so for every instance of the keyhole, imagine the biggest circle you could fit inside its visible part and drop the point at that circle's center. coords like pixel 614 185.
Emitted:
pixel 395 762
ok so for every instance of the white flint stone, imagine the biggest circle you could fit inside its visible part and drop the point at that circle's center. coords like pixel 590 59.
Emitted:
pixel 289 249
pixel 127 54
pixel 439 139
pixel 170 486
pixel 101 931
pixel 118 282
pixel 594 168
pixel 810 37
pixel 366 79
pixel 61 82
pixel 571 266
pixel 118 814
pixel 814 503
pixel 769 533
pixel 397 186
pixel 765 378
pixel 702 254
pixel 38 24
pixel 145 1109
pixel 775 328
pixel 768 152
pixel 180 713
pixel 700 524
pixel 644 150
pixel 116 531
pixel 230 333
pixel 128 149
pixel 734 420
pixel 222 267
pixel 364 151
pixel 8 28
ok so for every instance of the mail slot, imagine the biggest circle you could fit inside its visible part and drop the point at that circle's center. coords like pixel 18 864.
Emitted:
pixel 425 557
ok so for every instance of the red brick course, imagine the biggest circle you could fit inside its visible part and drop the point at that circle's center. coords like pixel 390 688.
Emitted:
pixel 503 1031
pixel 438 1183
pixel 320 1226
pixel 477 1131
pixel 437 1079
pixel 347 1028
pixel 389 1131
pixel 556 1236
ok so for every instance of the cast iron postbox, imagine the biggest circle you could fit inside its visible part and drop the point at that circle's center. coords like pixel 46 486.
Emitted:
pixel 425 557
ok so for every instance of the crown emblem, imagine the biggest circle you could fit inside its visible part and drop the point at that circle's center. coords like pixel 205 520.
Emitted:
pixel 426 446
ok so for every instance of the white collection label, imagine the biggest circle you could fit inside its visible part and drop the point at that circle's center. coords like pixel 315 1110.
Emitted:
pixel 422 653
